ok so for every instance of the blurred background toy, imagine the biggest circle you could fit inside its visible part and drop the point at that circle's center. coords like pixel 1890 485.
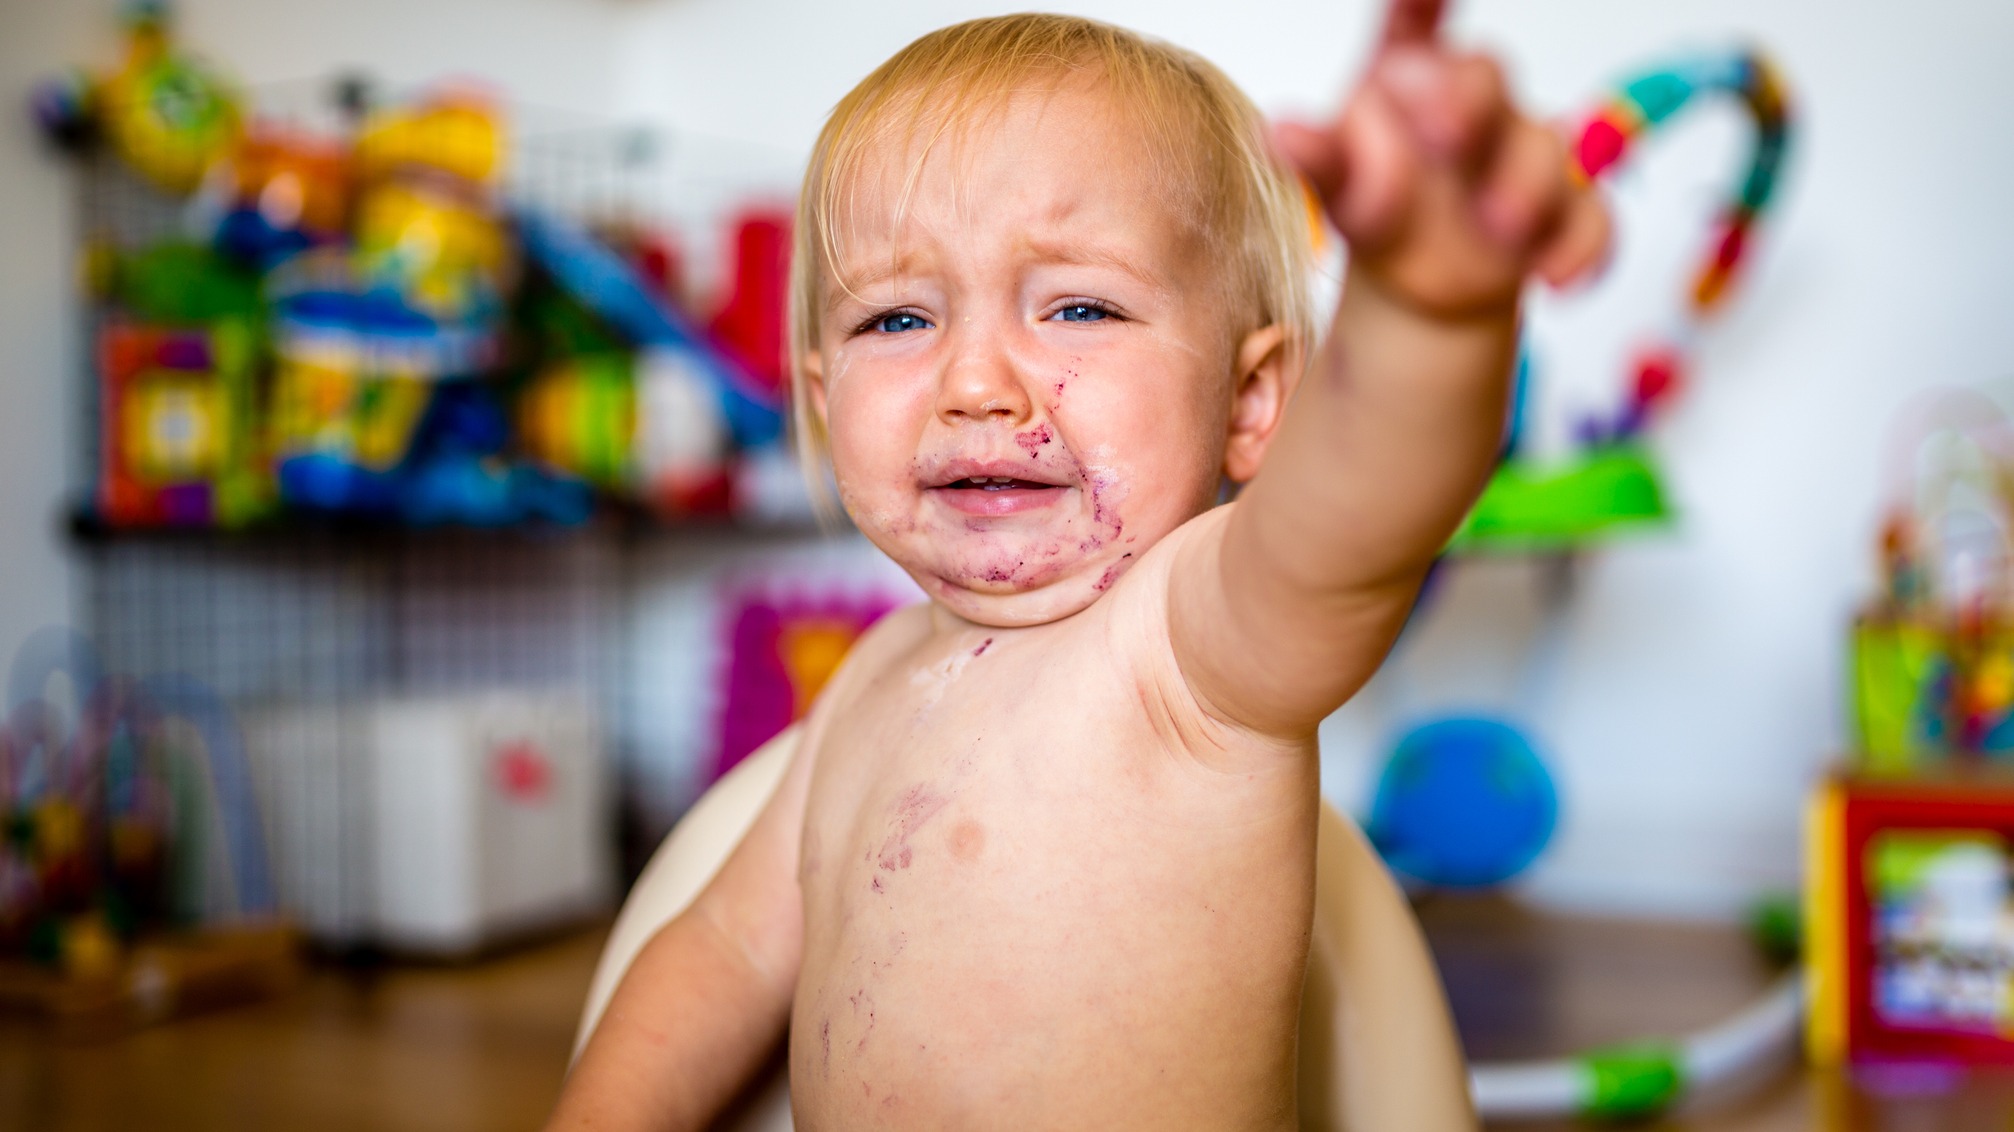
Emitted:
pixel 691 405
pixel 169 117
pixel 749 325
pixel 1910 845
pixel 164 114
pixel 1933 653
pixel 427 225
pixel 1610 480
pixel 178 441
pixel 109 916
pixel 1911 949
pixel 782 646
pixel 354 332
pixel 281 190
pixel 1462 803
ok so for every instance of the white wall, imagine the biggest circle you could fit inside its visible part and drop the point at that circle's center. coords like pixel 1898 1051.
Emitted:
pixel 37 346
pixel 1696 683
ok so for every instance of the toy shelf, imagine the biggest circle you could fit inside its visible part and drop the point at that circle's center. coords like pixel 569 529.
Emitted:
pixel 349 646
pixel 87 530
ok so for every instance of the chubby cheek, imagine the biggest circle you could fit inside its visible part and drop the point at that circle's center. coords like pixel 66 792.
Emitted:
pixel 1172 446
pixel 873 427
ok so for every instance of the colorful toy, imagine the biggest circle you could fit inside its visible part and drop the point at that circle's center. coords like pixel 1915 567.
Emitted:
pixel 455 132
pixel 1630 1082
pixel 691 408
pixel 340 438
pixel 749 327
pixel 1933 655
pixel 104 847
pixel 165 115
pixel 181 284
pixel 176 435
pixel 578 416
pixel 1907 870
pixel 1613 482
pixel 781 651
pixel 425 225
pixel 1462 803
pixel 1911 923
pixel 602 282
pixel 280 191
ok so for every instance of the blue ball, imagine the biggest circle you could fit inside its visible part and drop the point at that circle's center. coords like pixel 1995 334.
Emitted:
pixel 1463 803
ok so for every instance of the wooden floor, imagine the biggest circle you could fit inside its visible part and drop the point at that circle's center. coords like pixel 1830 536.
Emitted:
pixel 483 1047
pixel 1526 986
pixel 441 1049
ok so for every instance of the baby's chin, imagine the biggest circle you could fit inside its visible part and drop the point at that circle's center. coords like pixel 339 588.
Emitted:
pixel 1011 605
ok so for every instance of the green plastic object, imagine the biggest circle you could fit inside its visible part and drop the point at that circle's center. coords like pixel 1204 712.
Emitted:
pixel 182 284
pixel 1896 665
pixel 1776 923
pixel 1560 507
pixel 1631 1081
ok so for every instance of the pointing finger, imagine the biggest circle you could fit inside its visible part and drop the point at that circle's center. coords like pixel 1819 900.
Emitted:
pixel 1525 190
pixel 1580 246
pixel 1382 170
pixel 1411 22
pixel 1458 104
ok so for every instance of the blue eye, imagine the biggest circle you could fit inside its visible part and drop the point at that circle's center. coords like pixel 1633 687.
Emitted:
pixel 897 322
pixel 1080 312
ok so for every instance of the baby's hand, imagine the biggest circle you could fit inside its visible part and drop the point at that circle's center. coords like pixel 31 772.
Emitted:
pixel 1447 195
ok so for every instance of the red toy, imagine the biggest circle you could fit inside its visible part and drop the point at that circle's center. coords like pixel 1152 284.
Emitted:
pixel 1910 921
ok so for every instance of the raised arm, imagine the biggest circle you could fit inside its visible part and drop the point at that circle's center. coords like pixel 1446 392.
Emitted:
pixel 1448 198
pixel 707 999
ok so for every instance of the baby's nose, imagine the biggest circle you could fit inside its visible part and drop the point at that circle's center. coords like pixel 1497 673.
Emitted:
pixel 981 384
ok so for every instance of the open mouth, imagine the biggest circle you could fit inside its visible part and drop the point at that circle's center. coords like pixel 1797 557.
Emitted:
pixel 979 491
pixel 999 483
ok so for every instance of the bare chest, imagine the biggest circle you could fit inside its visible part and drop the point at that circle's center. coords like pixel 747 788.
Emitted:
pixel 1008 857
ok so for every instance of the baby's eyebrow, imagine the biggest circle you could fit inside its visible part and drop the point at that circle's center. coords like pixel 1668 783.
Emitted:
pixel 1077 253
pixel 1032 249
pixel 883 269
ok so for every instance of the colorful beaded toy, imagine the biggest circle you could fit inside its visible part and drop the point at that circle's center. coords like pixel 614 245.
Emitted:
pixel 1611 481
pixel 1636 111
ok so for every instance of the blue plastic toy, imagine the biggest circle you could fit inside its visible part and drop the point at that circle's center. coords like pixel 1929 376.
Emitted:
pixel 600 280
pixel 1463 803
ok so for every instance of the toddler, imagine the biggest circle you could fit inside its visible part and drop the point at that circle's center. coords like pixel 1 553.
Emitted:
pixel 1044 855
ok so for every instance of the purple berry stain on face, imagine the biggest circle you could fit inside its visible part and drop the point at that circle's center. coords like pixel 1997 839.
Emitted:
pixel 983 646
pixel 1032 440
pixel 1112 573
pixel 1102 513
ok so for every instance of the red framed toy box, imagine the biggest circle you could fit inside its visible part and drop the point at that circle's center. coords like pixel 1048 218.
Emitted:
pixel 1910 919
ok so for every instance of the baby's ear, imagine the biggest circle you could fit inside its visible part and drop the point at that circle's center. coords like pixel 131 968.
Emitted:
pixel 811 365
pixel 1263 381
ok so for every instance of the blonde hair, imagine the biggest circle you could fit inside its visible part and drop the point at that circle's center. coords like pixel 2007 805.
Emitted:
pixel 1207 135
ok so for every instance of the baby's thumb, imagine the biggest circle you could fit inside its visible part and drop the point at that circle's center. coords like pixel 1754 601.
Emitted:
pixel 1311 151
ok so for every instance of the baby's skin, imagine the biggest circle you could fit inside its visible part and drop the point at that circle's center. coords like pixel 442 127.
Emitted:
pixel 1044 856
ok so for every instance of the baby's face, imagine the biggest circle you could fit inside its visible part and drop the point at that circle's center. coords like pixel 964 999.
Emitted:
pixel 1031 379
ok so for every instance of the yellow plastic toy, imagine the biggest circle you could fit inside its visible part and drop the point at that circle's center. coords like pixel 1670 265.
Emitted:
pixel 166 115
pixel 456 132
